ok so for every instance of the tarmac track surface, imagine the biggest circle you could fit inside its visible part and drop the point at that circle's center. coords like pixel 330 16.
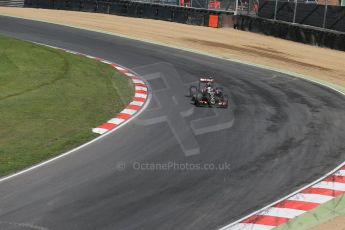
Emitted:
pixel 279 134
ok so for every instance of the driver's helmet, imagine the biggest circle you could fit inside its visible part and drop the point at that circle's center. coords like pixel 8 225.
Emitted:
pixel 208 84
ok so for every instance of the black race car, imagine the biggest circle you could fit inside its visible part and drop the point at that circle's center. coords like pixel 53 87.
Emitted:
pixel 206 95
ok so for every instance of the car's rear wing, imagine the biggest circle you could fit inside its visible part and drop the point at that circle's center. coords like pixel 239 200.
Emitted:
pixel 206 79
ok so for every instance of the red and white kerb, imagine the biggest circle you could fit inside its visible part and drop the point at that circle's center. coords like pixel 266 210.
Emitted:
pixel 139 99
pixel 302 202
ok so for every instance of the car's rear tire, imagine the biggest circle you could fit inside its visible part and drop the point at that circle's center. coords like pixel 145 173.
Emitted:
pixel 198 97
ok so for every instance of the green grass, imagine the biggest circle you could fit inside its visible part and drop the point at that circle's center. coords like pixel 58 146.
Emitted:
pixel 50 100
pixel 319 215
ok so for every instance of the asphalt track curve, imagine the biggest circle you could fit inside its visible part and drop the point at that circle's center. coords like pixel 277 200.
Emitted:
pixel 279 134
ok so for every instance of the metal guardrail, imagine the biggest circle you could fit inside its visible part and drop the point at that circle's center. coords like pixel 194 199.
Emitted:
pixel 222 5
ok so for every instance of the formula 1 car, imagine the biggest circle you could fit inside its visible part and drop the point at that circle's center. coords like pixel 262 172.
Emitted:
pixel 206 95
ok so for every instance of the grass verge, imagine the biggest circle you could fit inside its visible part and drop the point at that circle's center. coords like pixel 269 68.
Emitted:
pixel 50 100
pixel 321 214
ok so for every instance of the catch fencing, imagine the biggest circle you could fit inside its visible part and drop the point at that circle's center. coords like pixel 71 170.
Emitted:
pixel 318 14
pixel 174 13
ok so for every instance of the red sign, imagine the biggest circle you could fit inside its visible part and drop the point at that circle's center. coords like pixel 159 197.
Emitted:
pixel 214 4
pixel 213 22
